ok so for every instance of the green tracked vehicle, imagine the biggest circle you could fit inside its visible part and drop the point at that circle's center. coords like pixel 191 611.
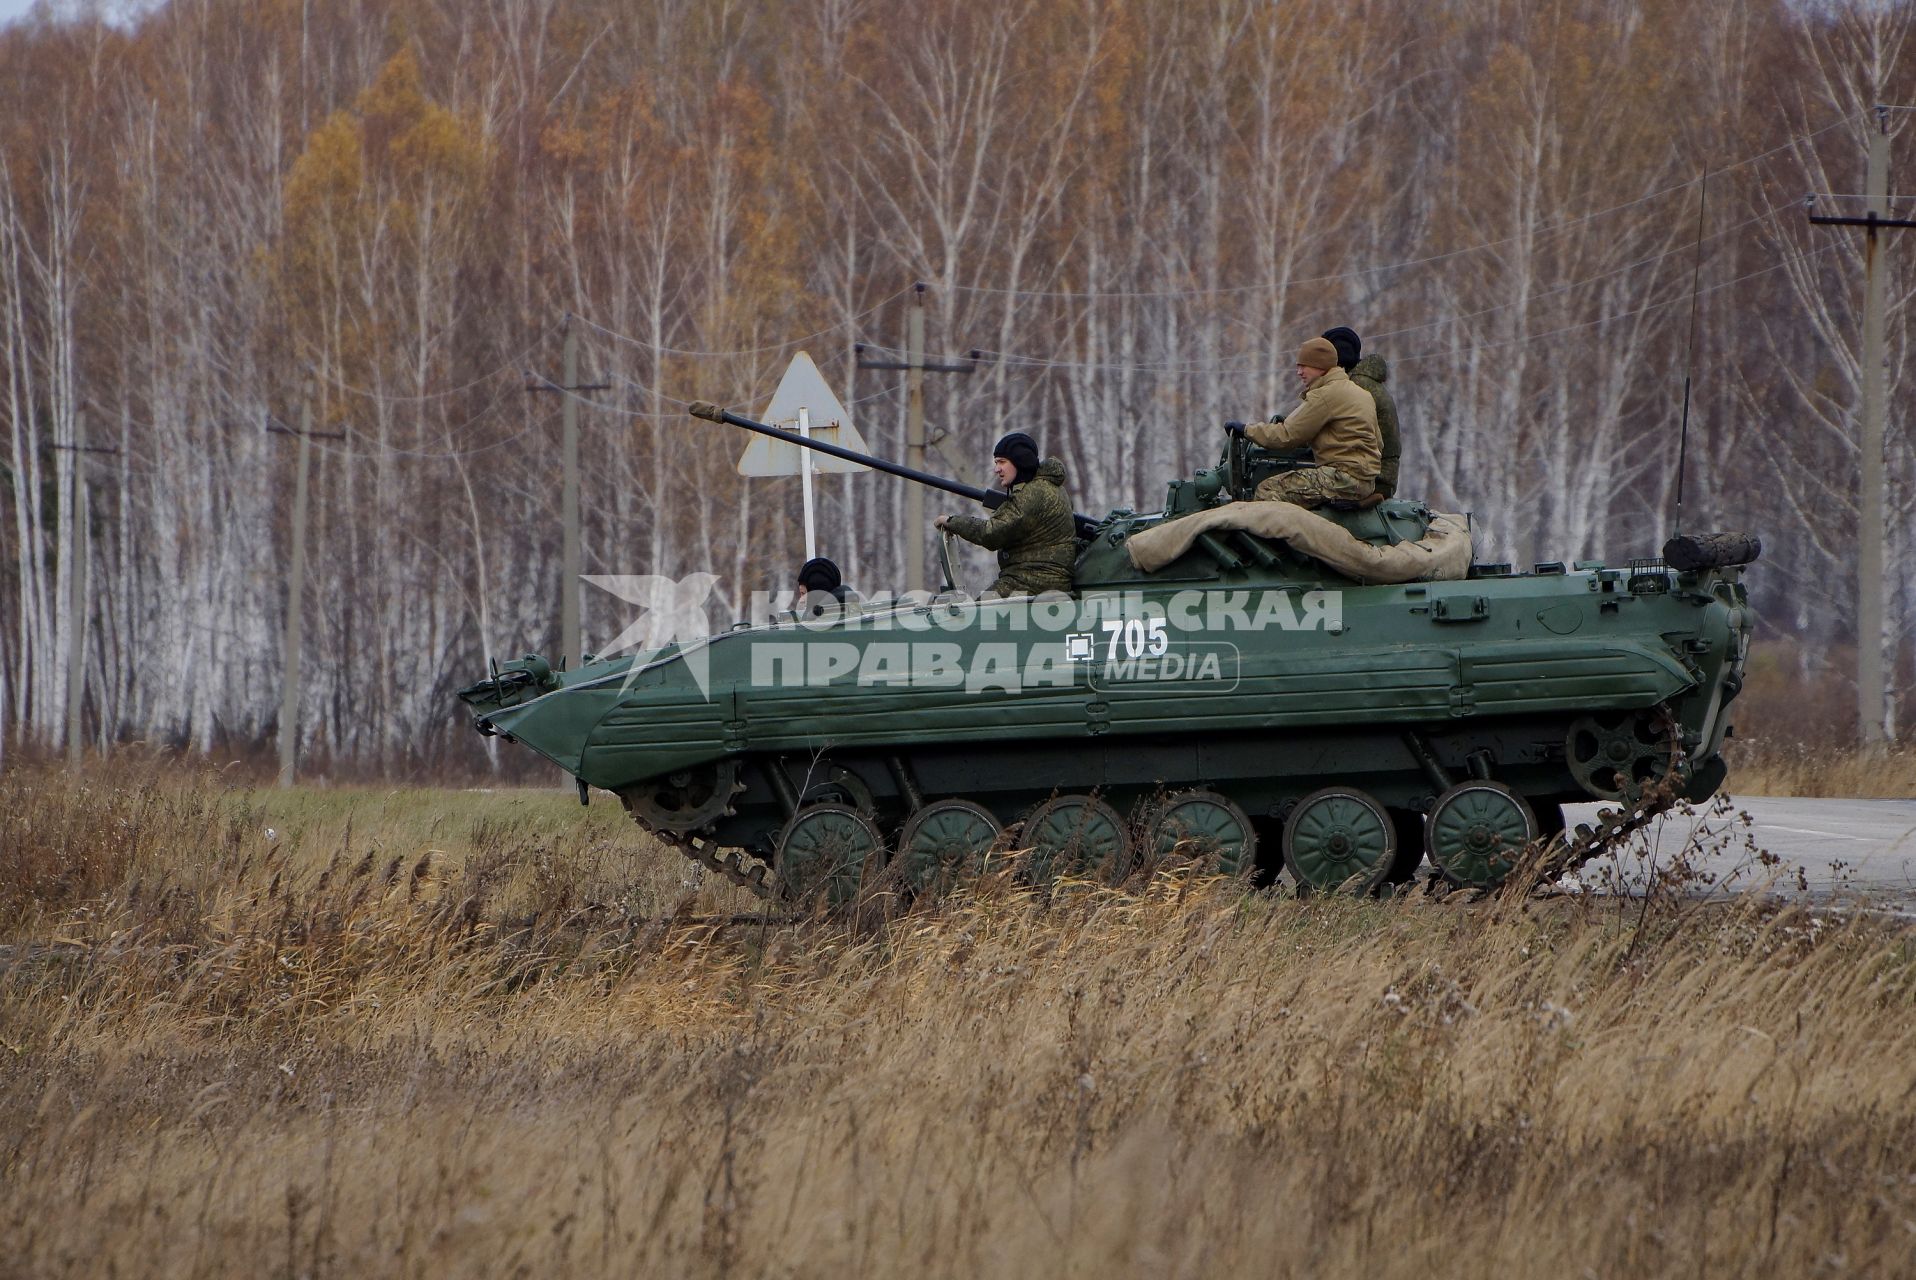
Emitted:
pixel 1340 695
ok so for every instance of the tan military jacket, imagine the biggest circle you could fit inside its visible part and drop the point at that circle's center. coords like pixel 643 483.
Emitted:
pixel 1337 422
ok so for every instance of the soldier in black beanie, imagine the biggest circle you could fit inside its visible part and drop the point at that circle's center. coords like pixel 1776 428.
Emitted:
pixel 819 578
pixel 1370 372
pixel 1349 346
pixel 1021 451
pixel 1033 533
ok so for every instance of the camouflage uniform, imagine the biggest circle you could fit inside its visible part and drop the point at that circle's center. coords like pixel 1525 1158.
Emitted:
pixel 1370 373
pixel 1312 487
pixel 1033 533
pixel 1338 423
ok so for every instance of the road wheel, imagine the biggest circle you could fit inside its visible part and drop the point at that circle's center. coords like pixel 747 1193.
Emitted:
pixel 1075 835
pixel 824 852
pixel 1207 825
pixel 1476 831
pixel 1339 837
pixel 944 844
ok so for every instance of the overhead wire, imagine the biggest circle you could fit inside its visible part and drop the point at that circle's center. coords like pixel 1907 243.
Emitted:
pixel 369 448
pixel 1019 360
pixel 1602 275
pixel 1173 369
pixel 1526 339
pixel 446 454
pixel 1201 366
pixel 1274 285
pixel 516 363
pixel 657 415
pixel 641 343
pixel 513 365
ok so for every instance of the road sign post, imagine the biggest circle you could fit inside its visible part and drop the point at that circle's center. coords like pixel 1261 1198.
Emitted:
pixel 806 405
pixel 805 483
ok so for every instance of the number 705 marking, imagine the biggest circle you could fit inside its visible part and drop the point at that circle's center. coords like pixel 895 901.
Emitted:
pixel 1143 637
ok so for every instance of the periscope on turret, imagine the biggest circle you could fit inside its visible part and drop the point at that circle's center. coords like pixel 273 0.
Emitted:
pixel 1334 697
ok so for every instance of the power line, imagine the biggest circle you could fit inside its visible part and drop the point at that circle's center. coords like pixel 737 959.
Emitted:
pixel 1014 359
pixel 512 364
pixel 635 385
pixel 1618 315
pixel 1271 286
pixel 370 450
pixel 846 323
pixel 676 413
pixel 1578 284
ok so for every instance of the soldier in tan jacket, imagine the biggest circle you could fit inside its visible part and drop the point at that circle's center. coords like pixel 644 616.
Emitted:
pixel 1337 422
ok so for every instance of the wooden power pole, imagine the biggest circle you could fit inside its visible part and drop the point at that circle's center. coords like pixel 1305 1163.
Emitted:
pixel 915 367
pixel 296 588
pixel 79 552
pixel 572 566
pixel 1872 704
pixel 76 592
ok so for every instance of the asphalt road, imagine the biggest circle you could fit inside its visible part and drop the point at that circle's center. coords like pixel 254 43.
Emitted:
pixel 1826 848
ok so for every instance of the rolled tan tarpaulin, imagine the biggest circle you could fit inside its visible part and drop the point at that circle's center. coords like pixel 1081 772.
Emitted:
pixel 1441 555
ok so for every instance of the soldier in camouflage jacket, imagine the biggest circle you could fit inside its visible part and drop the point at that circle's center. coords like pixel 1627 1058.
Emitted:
pixel 1033 533
pixel 1370 373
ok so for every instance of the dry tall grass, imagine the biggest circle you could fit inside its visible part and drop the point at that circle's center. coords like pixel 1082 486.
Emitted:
pixel 446 1034
pixel 1801 769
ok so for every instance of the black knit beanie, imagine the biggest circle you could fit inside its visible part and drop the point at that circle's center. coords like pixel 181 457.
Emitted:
pixel 1349 346
pixel 820 574
pixel 1021 451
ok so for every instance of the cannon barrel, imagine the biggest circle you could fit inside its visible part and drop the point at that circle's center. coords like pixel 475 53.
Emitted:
pixel 991 498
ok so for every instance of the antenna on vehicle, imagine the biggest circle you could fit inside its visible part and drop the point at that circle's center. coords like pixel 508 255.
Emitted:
pixel 1689 358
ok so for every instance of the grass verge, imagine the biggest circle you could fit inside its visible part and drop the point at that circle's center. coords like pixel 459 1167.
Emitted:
pixel 1797 769
pixel 431 1033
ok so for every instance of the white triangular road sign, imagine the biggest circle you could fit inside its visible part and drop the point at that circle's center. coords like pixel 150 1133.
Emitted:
pixel 803 387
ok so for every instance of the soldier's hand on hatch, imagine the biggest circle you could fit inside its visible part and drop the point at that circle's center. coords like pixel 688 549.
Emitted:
pixel 1234 428
pixel 939 523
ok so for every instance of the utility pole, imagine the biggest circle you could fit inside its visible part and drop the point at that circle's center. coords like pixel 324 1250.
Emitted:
pixel 296 587
pixel 1872 709
pixel 573 568
pixel 79 552
pixel 76 593
pixel 76 551
pixel 915 368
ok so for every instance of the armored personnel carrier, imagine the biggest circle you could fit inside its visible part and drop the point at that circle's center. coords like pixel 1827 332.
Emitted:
pixel 1339 694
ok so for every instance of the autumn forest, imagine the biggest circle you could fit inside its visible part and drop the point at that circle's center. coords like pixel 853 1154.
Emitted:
pixel 223 218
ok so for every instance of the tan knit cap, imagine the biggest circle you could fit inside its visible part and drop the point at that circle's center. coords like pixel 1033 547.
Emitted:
pixel 1318 353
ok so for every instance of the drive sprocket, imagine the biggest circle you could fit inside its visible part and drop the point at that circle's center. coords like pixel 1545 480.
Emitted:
pixel 1647 800
pixel 1617 755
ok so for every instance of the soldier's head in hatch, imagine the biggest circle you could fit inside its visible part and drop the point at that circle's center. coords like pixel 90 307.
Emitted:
pixel 819 574
pixel 1350 347
pixel 1014 459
